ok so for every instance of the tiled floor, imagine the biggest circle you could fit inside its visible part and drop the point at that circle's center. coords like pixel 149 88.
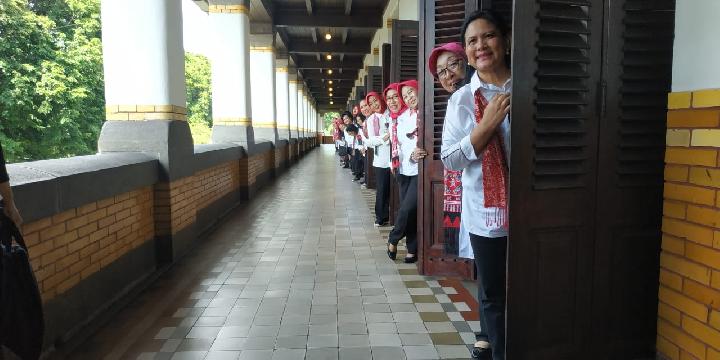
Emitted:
pixel 300 273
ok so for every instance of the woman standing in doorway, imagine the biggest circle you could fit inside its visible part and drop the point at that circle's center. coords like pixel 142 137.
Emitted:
pixel 476 139
pixel 403 163
pixel 447 63
pixel 378 129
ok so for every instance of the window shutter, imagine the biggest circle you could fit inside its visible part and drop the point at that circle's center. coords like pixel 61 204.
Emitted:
pixel 373 80
pixel 359 93
pixel 404 60
pixel 386 63
pixel 442 22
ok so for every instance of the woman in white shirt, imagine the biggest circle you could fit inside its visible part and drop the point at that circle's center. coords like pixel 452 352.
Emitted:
pixel 476 140
pixel 378 128
pixel 403 163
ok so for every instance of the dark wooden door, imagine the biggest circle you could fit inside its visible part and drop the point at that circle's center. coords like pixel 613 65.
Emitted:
pixel 637 71
pixel 386 56
pixel 373 79
pixel 442 22
pixel 403 66
pixel 590 78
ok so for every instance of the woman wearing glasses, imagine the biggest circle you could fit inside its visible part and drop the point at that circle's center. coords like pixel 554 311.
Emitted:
pixel 476 140
pixel 403 162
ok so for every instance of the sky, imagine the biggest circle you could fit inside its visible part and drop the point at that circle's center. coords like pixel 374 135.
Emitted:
pixel 195 28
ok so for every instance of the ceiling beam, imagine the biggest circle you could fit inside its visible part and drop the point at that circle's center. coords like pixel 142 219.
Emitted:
pixel 309 6
pixel 348 7
pixel 309 47
pixel 359 20
pixel 334 76
pixel 324 64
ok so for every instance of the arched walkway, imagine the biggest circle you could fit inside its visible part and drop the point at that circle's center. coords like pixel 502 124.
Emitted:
pixel 299 273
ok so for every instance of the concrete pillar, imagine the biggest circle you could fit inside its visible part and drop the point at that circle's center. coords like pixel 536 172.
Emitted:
pixel 144 70
pixel 293 102
pixel 282 100
pixel 230 62
pixel 262 78
pixel 306 119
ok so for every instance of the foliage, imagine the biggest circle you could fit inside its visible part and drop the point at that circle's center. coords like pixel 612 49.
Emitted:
pixel 327 121
pixel 51 78
pixel 199 97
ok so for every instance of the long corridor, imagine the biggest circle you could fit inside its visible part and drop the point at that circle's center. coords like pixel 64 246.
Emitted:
pixel 298 273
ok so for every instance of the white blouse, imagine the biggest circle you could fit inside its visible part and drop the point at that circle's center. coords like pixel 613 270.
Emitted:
pixel 407 140
pixel 459 154
pixel 381 158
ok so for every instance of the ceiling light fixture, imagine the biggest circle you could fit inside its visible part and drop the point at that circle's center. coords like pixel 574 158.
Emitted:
pixel 331 102
pixel 330 89
pixel 330 82
pixel 329 71
pixel 328 36
pixel 328 56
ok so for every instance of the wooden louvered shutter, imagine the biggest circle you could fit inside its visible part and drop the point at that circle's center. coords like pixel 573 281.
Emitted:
pixel 637 77
pixel 556 72
pixel 404 50
pixel 359 93
pixel 373 80
pixel 442 23
pixel 386 60
pixel 588 119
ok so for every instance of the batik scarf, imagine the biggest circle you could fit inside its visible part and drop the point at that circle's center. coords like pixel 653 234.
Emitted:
pixel 395 145
pixel 495 170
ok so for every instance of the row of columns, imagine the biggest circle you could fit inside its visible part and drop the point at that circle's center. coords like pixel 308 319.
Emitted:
pixel 256 95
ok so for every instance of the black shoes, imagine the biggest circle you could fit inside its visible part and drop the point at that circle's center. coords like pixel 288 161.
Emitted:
pixel 392 255
pixel 410 260
pixel 481 353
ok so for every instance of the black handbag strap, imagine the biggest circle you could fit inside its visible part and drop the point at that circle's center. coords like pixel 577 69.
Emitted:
pixel 10 231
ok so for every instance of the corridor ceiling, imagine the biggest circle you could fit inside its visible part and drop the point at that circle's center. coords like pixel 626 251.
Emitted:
pixel 302 28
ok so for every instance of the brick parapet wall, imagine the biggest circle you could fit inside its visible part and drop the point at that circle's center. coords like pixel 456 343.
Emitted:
pixel 689 293
pixel 70 246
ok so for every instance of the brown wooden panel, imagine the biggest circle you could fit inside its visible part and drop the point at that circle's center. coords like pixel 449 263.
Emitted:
pixel 386 56
pixel 369 169
pixel 442 22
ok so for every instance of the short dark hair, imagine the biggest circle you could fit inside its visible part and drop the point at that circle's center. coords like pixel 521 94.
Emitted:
pixel 360 117
pixel 351 128
pixel 346 113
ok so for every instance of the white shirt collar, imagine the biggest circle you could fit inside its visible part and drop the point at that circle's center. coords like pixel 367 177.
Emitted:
pixel 476 83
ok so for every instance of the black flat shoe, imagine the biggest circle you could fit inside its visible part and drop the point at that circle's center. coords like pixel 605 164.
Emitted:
pixel 481 353
pixel 410 260
pixel 391 255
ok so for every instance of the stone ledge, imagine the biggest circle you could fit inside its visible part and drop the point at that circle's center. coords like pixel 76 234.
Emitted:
pixel 47 187
pixel 209 155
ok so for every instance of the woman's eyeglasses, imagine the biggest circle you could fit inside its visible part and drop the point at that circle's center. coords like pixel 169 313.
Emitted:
pixel 451 67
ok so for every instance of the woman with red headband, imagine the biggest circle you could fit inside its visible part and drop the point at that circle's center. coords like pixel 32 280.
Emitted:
pixel 403 163
pixel 378 129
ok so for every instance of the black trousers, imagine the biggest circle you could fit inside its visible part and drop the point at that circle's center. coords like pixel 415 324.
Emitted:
pixel 490 262
pixel 382 195
pixel 358 166
pixel 406 221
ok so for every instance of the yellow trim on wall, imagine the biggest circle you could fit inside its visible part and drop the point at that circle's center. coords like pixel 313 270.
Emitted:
pixel 265 124
pixel 145 112
pixel 232 121
pixel 694 99
pixel 228 9
pixel 262 49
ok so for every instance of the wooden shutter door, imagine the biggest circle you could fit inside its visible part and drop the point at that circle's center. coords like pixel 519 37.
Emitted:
pixel 404 50
pixel 373 80
pixel 637 77
pixel 556 72
pixel 386 56
pixel 442 23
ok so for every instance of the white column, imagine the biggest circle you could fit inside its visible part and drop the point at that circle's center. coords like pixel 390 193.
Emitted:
pixel 305 113
pixel 282 101
pixel 299 108
pixel 293 102
pixel 230 63
pixel 143 60
pixel 262 80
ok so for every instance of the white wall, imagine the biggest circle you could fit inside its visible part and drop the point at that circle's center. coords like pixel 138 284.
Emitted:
pixel 696 53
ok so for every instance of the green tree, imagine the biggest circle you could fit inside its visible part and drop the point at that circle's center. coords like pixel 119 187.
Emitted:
pixel 51 78
pixel 199 97
pixel 327 121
